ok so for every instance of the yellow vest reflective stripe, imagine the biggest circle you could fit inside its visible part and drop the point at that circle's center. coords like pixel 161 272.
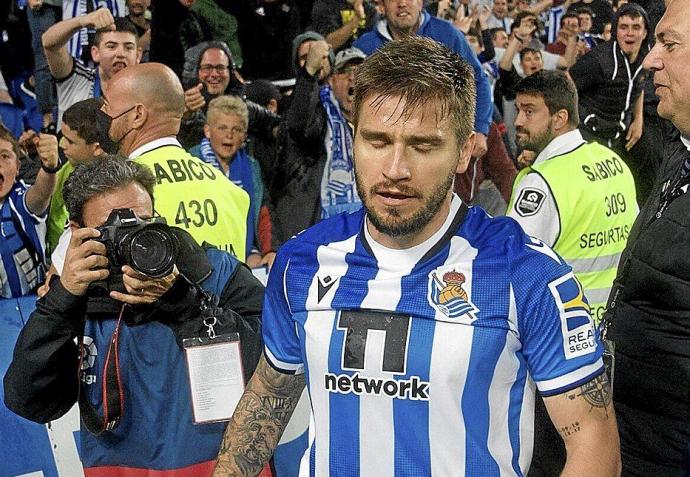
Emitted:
pixel 198 198
pixel 595 196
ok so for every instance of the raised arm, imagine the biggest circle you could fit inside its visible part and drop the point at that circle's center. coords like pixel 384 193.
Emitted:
pixel 38 196
pixel 56 37
pixel 585 419
pixel 258 422
pixel 339 36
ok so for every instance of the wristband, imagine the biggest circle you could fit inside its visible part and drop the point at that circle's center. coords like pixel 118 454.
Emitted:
pixel 51 170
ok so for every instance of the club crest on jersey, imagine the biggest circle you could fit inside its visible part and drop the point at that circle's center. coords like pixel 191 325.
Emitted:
pixel 447 295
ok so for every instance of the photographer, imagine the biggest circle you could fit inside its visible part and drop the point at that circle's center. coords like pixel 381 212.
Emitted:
pixel 105 333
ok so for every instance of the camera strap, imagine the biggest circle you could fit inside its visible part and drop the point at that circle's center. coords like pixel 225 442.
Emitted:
pixel 112 388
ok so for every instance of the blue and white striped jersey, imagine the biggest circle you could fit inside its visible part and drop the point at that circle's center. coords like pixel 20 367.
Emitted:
pixel 22 244
pixel 424 361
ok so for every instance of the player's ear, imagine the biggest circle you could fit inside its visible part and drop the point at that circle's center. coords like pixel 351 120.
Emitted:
pixel 465 153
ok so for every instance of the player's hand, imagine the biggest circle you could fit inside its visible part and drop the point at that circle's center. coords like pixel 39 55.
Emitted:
pixel 462 22
pixel 143 290
pixel 525 30
pixel 526 159
pixel 317 58
pixel 85 261
pixel 45 288
pixel 480 146
pixel 484 14
pixel 47 149
pixel 359 9
pixel 442 9
pixel 268 260
pixel 98 19
pixel 34 4
pixel 634 134
pixel 193 99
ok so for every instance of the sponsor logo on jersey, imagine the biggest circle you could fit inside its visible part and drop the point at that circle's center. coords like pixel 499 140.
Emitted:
pixel 447 295
pixel 88 358
pixel 358 327
pixel 529 202
pixel 324 286
pixel 577 326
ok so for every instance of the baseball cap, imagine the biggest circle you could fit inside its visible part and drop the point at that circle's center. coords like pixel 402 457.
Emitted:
pixel 347 56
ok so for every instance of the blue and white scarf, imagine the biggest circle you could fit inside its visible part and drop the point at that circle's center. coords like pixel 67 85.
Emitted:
pixel 338 188
pixel 240 173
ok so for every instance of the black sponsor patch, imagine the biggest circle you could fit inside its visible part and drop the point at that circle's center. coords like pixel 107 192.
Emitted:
pixel 529 202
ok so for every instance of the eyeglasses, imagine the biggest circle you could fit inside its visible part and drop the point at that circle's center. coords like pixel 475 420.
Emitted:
pixel 220 69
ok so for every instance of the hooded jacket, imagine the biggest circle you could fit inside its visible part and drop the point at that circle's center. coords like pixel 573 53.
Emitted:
pixel 445 33
pixel 296 186
pixel 608 84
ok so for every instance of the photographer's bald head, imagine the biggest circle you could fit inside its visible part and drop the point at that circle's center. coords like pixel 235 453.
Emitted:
pixel 144 103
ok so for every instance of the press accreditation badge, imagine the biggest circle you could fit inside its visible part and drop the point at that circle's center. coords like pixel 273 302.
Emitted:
pixel 216 380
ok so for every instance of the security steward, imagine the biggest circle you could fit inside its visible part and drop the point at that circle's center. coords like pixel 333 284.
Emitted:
pixel 140 118
pixel 577 197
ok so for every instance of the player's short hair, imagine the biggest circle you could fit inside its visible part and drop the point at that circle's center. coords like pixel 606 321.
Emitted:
pixel 228 105
pixel 81 118
pixel 556 88
pixel 106 174
pixel 527 49
pixel 122 25
pixel 418 70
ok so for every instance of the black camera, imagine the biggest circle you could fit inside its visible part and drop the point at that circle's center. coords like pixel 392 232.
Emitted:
pixel 146 245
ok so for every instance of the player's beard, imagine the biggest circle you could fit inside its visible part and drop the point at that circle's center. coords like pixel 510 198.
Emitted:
pixel 392 223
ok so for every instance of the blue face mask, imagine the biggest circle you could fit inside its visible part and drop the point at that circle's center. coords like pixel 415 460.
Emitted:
pixel 103 124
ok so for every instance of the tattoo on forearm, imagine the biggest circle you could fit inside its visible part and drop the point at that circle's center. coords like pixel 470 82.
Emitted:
pixel 597 393
pixel 258 422
pixel 567 431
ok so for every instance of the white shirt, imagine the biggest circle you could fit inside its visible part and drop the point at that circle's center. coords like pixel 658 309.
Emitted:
pixel 550 60
pixel 534 206
pixel 686 142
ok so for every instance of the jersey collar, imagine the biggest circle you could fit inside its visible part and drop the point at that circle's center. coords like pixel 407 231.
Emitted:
pixel 404 259
pixel 560 145
pixel 155 144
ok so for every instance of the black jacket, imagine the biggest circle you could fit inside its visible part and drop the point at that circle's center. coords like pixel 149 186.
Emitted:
pixel 296 186
pixel 650 325
pixel 602 78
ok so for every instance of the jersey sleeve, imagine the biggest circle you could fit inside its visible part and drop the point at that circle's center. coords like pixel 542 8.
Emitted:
pixel 281 343
pixel 560 343
pixel 18 196
pixel 534 208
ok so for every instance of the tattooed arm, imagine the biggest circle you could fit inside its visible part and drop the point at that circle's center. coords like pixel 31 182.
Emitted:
pixel 258 421
pixel 585 420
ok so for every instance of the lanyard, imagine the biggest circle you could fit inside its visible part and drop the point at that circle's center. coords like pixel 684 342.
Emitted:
pixel 112 389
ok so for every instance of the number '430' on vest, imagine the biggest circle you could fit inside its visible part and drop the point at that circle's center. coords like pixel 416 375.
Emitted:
pixel 198 198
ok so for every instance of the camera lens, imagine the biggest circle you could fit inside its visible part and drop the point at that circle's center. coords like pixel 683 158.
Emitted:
pixel 151 250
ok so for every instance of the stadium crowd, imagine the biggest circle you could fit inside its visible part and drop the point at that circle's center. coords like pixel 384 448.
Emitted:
pixel 235 121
